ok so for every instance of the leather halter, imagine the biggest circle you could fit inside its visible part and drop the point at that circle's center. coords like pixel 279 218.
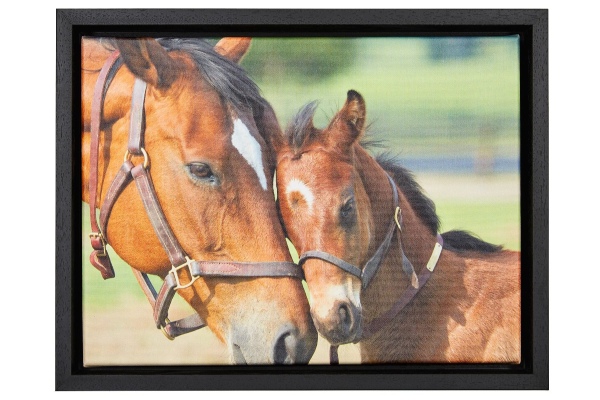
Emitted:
pixel 99 258
pixel 371 267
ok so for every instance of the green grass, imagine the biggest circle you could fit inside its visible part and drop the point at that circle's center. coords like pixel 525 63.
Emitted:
pixel 497 223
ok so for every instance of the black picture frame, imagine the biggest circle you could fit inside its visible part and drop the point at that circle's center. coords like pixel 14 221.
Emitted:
pixel 530 24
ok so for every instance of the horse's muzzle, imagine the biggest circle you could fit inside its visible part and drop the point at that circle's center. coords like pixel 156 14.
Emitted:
pixel 287 347
pixel 342 325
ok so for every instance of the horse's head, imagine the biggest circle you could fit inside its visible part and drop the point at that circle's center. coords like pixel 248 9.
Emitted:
pixel 207 134
pixel 324 207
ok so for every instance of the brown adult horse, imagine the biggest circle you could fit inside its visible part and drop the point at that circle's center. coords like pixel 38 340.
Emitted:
pixel 195 133
pixel 410 301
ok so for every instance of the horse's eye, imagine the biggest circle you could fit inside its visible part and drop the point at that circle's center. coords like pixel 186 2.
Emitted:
pixel 201 171
pixel 348 208
pixel 348 214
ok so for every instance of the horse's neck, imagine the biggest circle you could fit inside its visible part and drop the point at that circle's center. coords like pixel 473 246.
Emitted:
pixel 379 191
pixel 466 293
pixel 390 281
pixel 417 239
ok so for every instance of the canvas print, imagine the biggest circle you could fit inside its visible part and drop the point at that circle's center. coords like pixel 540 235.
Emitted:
pixel 301 200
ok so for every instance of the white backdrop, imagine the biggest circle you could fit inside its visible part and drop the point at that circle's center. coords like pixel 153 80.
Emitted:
pixel 28 157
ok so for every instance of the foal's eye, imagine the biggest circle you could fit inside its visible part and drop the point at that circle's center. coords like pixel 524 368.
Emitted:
pixel 347 209
pixel 348 214
pixel 201 171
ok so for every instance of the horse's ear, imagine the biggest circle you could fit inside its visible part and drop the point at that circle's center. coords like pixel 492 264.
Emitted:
pixel 149 61
pixel 233 48
pixel 268 126
pixel 349 123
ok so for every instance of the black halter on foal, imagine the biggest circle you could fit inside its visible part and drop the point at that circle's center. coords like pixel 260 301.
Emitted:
pixel 372 266
pixel 160 301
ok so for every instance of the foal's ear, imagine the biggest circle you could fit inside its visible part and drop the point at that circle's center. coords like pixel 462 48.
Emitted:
pixel 349 123
pixel 234 48
pixel 149 61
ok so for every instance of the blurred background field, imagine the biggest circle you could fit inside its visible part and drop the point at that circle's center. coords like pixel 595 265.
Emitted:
pixel 448 107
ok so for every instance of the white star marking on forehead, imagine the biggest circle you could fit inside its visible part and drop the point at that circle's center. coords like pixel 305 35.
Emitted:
pixel 296 185
pixel 250 149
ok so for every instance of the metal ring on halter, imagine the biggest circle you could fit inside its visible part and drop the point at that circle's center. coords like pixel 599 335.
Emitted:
pixel 164 331
pixel 128 156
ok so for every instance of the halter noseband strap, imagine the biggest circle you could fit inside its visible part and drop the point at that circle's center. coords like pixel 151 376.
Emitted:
pixel 372 265
pixel 160 301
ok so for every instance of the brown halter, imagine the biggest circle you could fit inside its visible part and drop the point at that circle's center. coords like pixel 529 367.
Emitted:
pixel 371 267
pixel 99 258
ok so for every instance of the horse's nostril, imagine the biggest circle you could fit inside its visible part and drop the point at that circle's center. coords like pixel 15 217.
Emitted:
pixel 347 319
pixel 340 323
pixel 345 315
pixel 284 351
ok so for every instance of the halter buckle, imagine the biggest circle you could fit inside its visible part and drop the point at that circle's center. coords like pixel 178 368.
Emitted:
pixel 98 235
pixel 174 270
pixel 398 213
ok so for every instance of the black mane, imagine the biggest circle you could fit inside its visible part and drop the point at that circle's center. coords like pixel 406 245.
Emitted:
pixel 461 241
pixel 455 240
pixel 423 205
pixel 227 78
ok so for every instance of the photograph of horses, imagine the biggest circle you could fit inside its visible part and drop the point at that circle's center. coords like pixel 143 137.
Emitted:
pixel 301 200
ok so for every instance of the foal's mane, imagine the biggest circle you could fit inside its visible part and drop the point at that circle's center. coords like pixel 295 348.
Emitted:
pixel 299 134
pixel 423 206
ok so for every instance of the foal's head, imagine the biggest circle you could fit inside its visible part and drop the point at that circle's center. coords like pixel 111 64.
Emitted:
pixel 324 206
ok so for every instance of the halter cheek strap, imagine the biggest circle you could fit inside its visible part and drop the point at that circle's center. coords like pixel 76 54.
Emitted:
pixel 99 256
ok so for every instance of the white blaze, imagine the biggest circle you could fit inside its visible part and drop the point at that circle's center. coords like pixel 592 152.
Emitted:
pixel 296 185
pixel 250 149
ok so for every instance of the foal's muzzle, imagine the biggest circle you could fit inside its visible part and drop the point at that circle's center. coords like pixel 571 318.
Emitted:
pixel 342 324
